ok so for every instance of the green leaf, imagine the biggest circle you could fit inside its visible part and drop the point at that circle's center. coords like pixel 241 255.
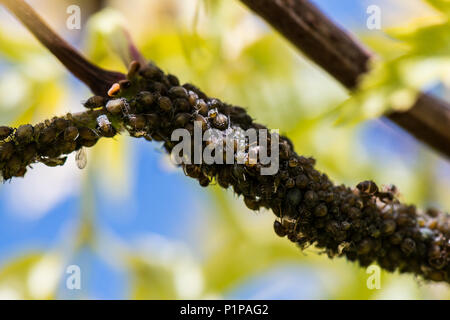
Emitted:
pixel 441 5
pixel 32 276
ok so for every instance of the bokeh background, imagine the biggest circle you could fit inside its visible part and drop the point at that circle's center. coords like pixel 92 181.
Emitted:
pixel 138 228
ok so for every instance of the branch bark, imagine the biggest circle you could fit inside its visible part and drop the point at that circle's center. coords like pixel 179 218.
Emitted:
pixel 346 59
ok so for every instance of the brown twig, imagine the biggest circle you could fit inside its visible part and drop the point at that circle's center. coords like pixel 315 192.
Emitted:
pixel 97 79
pixel 346 59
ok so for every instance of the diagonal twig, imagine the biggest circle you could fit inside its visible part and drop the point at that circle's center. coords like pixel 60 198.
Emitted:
pixel 346 59
pixel 96 78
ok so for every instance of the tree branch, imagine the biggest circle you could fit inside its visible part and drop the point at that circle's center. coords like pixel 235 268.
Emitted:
pixel 97 79
pixel 363 224
pixel 342 56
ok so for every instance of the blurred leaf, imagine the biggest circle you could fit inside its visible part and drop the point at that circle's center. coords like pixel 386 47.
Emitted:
pixel 33 276
pixel 394 83
pixel 441 5
pixel 151 281
pixel 105 39
pixel 17 49
pixel 243 257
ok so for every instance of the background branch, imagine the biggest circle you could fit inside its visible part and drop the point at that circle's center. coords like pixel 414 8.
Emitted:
pixel 96 78
pixel 346 59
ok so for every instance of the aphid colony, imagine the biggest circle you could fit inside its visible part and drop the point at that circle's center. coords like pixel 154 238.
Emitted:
pixel 47 142
pixel 364 224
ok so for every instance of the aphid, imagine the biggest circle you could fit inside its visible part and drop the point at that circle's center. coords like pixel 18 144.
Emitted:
pixel 354 213
pixel 81 158
pixel 388 227
pixel 192 98
pixel 133 68
pixel 332 227
pixel 301 181
pixel 151 71
pixel 159 88
pixel 204 181
pixel 193 88
pixel 279 229
pixel 61 124
pixel 374 231
pixel 53 162
pixel 137 122
pixel 124 84
pixel 201 107
pixel 14 164
pixel 213 113
pixel 321 210
pixel 114 90
pixel 294 196
pixel 165 104
pixel 214 103
pixel 105 126
pixel 6 150
pixel 396 238
pixel 182 105
pixel 67 147
pixel 5 132
pixel 426 234
pixel 94 102
pixel 437 258
pixel 238 172
pixel 388 194
pixel 115 106
pixel 178 92
pixel 173 80
pixel 203 122
pixel 364 247
pixel 47 135
pixel 24 133
pixel 432 212
pixel 181 119
pixel 290 183
pixel 311 197
pixel 21 172
pixel 87 133
pixel 192 171
pixel 345 225
pixel 29 152
pixel 88 143
pixel 251 203
pixel 223 179
pixel 153 120
pixel 367 187
pixel 146 98
pixel 408 246
pixel 71 133
pixel 293 162
pixel 220 121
